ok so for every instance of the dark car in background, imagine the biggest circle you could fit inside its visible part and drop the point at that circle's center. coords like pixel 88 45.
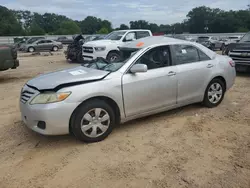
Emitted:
pixel 211 42
pixel 64 40
pixel 240 53
pixel 8 57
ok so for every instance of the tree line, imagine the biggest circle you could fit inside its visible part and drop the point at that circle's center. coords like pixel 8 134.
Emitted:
pixel 199 20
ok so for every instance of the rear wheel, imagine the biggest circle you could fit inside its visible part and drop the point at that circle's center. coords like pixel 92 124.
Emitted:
pixel 55 48
pixel 93 121
pixel 214 93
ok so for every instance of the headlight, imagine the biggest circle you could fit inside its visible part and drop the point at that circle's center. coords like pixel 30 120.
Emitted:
pixel 45 98
pixel 100 48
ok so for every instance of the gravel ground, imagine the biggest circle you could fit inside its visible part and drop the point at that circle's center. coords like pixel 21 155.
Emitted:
pixel 188 147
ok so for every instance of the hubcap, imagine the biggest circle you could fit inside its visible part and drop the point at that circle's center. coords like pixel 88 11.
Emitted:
pixel 95 122
pixel 215 93
pixel 55 48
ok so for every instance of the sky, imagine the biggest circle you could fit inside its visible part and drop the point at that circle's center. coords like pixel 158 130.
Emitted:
pixel 123 11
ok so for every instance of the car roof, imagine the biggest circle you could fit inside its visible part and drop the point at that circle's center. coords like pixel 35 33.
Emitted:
pixel 154 41
pixel 134 30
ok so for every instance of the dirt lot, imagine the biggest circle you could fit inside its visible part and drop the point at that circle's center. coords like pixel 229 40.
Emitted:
pixel 188 147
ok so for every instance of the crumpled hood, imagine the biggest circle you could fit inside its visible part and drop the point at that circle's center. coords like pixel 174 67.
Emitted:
pixel 101 43
pixel 70 76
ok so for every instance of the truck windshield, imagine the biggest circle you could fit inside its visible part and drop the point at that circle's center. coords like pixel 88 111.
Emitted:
pixel 245 38
pixel 115 35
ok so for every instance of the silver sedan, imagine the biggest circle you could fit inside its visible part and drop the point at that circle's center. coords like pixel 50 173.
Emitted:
pixel 43 45
pixel 156 74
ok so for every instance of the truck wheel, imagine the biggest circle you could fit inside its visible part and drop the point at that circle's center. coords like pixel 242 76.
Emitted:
pixel 31 49
pixel 93 121
pixel 113 57
pixel 55 48
pixel 214 93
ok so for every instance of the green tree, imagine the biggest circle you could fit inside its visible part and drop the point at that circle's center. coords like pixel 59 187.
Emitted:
pixel 35 29
pixel 68 28
pixel 123 27
pixel 139 24
pixel 90 25
pixel 153 27
pixel 103 30
pixel 9 25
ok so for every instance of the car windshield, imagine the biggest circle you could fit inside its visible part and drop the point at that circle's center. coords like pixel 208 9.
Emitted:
pixel 246 38
pixel 103 64
pixel 115 35
pixel 202 39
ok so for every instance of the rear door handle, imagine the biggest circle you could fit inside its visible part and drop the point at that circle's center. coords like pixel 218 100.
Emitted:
pixel 171 73
pixel 210 66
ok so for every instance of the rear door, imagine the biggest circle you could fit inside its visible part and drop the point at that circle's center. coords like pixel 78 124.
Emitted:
pixel 194 71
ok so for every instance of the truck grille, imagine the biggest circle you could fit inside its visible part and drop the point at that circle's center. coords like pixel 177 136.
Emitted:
pixel 26 94
pixel 87 49
pixel 240 55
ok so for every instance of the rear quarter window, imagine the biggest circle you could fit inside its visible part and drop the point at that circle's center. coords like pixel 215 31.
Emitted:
pixel 142 34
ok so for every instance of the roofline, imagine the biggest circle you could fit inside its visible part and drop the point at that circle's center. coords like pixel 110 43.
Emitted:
pixel 133 30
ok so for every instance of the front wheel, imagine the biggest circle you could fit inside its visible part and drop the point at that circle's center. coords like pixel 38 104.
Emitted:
pixel 214 93
pixel 93 121
pixel 113 57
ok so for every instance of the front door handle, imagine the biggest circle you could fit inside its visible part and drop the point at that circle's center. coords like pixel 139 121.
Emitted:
pixel 210 66
pixel 171 73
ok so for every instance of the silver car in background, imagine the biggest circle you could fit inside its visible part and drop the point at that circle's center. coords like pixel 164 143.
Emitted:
pixel 42 45
pixel 157 74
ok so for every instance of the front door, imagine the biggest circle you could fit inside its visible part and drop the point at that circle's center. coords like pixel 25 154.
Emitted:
pixel 40 45
pixel 194 71
pixel 154 89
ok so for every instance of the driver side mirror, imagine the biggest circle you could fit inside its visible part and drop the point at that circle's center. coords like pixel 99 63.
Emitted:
pixel 139 68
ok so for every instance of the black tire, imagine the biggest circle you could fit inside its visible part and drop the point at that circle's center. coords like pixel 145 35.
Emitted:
pixel 206 100
pixel 84 109
pixel 113 56
pixel 222 47
pixel 31 49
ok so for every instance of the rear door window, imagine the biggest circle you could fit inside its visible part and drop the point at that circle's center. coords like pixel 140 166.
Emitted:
pixel 142 34
pixel 185 54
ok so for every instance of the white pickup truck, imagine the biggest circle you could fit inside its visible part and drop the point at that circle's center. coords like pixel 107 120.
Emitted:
pixel 108 47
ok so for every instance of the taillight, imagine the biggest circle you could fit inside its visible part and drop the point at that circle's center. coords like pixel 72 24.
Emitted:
pixel 232 63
